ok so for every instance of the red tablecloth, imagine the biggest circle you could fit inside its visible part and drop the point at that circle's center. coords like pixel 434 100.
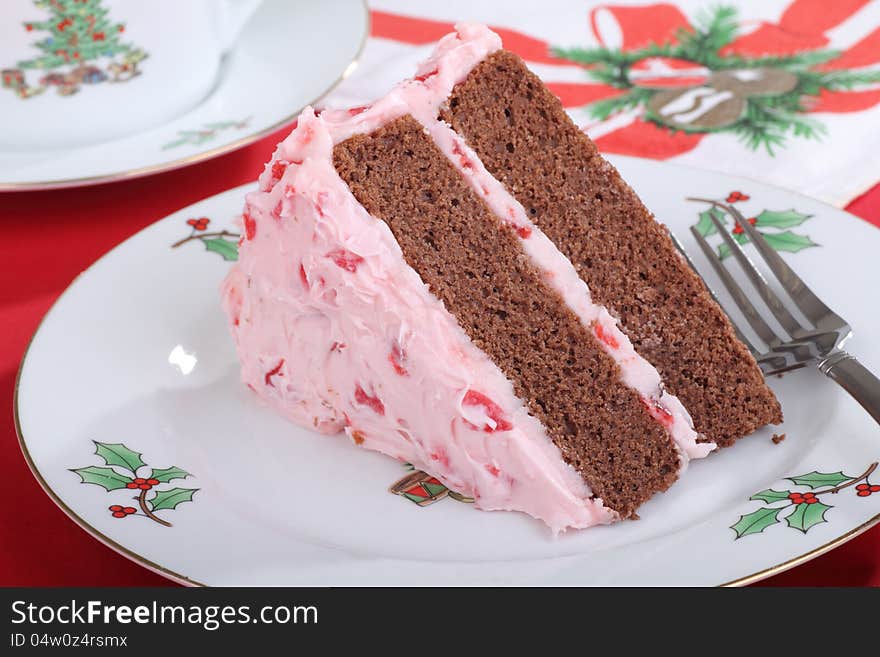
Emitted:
pixel 49 237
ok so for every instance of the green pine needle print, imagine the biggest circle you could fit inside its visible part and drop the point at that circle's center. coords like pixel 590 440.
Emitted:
pixel 208 132
pixel 761 100
pixel 607 107
pixel 714 30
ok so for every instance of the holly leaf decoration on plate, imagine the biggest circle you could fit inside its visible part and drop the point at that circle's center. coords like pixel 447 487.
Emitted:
pixel 770 496
pixel 816 479
pixel 225 248
pixel 119 454
pixel 164 475
pixel 807 515
pixel 705 225
pixel 756 521
pixel 724 250
pixel 782 219
pixel 788 241
pixel 107 478
pixel 784 241
pixel 169 499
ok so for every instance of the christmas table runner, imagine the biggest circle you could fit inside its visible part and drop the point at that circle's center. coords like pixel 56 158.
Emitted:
pixel 787 92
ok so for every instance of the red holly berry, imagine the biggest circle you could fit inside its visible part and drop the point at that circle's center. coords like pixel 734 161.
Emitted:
pixel 118 514
pixel 736 196
pixel 140 480
pixel 131 484
pixel 738 230
pixel 129 510
pixel 121 28
pixel 28 27
pixel 152 482
pixel 797 498
pixel 875 488
pixel 115 507
pixel 98 36
pixel 199 224
pixel 863 493
pixel 863 487
pixel 144 486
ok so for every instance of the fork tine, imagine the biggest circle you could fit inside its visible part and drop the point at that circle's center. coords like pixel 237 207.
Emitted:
pixel 762 328
pixel 806 301
pixel 739 334
pixel 780 312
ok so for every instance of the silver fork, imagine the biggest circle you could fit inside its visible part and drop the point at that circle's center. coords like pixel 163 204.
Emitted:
pixel 820 343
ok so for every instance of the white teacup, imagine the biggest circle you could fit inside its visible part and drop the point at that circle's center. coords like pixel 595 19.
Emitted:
pixel 72 76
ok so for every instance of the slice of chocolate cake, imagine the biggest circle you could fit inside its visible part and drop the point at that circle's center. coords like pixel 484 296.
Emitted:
pixel 441 276
pixel 527 141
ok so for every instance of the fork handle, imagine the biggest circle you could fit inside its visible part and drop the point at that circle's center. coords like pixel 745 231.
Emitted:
pixel 855 378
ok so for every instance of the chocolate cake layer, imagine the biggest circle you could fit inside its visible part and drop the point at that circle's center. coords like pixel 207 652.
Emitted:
pixel 478 268
pixel 526 140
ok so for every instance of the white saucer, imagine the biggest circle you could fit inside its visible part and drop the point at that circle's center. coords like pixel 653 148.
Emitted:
pixel 290 54
pixel 137 355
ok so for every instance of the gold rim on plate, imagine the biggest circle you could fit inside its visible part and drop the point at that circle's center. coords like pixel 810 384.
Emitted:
pixel 33 186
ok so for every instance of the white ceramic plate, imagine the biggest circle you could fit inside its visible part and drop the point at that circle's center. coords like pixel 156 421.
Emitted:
pixel 290 54
pixel 136 354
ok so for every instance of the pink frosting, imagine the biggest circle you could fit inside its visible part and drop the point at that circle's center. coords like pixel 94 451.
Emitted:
pixel 336 331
